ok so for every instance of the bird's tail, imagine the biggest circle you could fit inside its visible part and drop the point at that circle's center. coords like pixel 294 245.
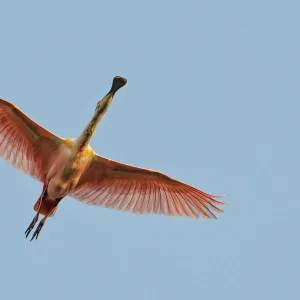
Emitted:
pixel 46 207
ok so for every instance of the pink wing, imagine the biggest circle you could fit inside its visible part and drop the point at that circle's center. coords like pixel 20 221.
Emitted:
pixel 119 186
pixel 25 144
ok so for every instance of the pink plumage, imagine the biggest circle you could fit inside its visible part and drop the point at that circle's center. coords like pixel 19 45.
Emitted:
pixel 71 167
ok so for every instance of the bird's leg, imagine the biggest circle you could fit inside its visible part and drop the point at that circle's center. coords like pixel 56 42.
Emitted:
pixel 39 228
pixel 35 219
pixel 42 222
pixel 32 224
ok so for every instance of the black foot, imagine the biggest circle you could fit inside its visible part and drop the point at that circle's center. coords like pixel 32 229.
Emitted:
pixel 38 229
pixel 31 226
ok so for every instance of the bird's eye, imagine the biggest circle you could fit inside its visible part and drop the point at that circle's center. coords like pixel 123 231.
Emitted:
pixel 97 105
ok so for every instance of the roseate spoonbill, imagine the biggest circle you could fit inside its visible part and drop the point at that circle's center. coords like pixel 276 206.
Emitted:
pixel 71 167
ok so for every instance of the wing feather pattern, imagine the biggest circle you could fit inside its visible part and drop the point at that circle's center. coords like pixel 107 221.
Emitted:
pixel 25 144
pixel 115 185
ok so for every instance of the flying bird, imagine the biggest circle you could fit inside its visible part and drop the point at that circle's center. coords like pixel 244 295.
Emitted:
pixel 70 167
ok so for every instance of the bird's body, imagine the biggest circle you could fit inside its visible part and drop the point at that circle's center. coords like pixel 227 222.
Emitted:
pixel 71 167
pixel 67 168
pixel 65 171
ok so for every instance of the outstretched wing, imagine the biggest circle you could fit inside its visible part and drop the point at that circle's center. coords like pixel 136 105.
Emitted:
pixel 25 144
pixel 112 184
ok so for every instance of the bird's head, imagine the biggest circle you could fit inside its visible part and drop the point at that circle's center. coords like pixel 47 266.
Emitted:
pixel 117 83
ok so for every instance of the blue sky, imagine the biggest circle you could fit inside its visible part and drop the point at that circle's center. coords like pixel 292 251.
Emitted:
pixel 212 99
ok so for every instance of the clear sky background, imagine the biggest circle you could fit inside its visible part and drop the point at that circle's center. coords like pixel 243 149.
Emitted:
pixel 212 99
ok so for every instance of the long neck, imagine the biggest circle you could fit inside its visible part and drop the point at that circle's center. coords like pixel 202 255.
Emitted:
pixel 90 128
